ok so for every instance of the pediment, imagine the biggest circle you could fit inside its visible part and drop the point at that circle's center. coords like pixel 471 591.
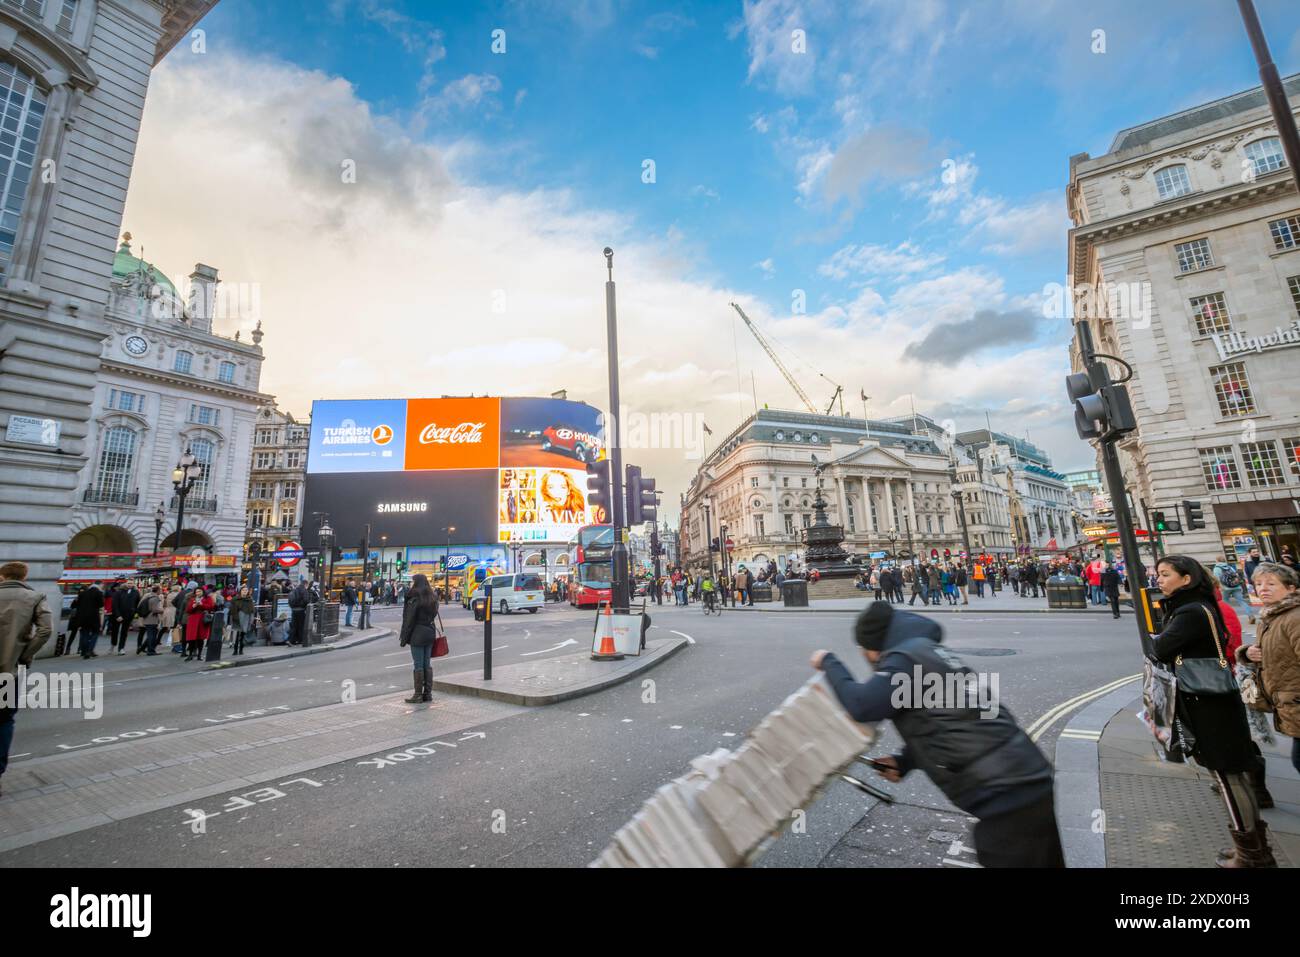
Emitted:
pixel 873 456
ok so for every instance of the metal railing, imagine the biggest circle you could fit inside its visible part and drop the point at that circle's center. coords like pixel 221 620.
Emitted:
pixel 100 496
pixel 196 504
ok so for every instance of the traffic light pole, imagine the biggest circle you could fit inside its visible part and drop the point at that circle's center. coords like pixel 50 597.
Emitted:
pixel 619 591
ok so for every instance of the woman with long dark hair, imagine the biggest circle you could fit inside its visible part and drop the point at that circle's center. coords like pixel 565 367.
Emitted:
pixel 1211 727
pixel 419 613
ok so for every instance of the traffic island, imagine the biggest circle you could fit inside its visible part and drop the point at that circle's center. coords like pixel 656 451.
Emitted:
pixel 556 679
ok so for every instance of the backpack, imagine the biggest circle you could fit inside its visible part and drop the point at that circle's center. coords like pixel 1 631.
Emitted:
pixel 1229 578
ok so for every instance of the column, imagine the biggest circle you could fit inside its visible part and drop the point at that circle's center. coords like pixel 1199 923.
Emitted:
pixel 891 518
pixel 842 503
pixel 911 513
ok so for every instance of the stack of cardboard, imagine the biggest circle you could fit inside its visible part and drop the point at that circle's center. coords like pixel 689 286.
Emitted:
pixel 730 801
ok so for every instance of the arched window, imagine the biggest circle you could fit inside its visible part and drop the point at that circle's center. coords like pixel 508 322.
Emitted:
pixel 204 454
pixel 1266 155
pixel 24 113
pixel 1172 181
pixel 116 462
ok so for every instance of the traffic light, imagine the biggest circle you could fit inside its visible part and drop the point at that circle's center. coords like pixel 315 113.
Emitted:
pixel 642 504
pixel 714 546
pixel 598 490
pixel 336 554
pixel 254 550
pixel 1158 521
pixel 1195 515
pixel 1102 409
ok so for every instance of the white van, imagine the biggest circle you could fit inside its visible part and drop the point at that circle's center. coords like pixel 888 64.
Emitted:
pixel 511 593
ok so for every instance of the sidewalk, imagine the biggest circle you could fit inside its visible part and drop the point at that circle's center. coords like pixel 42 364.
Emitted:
pixel 132 667
pixel 1154 813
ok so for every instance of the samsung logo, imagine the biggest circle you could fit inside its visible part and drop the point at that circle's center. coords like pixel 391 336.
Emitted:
pixel 386 507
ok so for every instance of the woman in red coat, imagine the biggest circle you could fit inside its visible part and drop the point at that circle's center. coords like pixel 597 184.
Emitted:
pixel 197 631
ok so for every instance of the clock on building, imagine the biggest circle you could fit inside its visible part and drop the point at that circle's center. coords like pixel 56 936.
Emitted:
pixel 136 345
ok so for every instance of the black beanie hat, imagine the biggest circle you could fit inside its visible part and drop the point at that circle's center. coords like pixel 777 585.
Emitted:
pixel 871 626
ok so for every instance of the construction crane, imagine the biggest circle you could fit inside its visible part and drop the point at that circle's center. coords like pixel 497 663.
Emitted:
pixel 771 354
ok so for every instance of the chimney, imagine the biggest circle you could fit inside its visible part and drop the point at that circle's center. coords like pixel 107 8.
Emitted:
pixel 203 296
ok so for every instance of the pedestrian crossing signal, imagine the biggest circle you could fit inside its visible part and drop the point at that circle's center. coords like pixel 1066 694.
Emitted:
pixel 598 499
pixel 1158 521
pixel 1195 515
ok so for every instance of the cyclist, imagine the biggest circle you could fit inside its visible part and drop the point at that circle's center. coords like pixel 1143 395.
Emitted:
pixel 709 592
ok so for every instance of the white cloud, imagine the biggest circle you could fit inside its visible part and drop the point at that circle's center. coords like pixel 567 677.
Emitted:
pixel 767 267
pixel 1006 228
pixel 870 260
pixel 472 91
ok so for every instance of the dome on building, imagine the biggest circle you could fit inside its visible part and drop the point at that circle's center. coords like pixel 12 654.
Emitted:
pixel 125 264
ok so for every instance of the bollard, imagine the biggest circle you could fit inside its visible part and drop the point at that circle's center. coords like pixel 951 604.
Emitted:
pixel 487 632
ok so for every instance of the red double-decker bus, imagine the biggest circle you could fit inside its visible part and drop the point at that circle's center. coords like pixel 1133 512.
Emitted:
pixel 591 565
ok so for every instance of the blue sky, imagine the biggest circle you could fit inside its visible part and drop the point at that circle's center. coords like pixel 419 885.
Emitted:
pixel 775 171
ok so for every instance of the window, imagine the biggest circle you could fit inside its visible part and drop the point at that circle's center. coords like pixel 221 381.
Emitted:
pixel 125 401
pixel 204 414
pixel 204 455
pixel 288 515
pixel 265 436
pixel 1285 232
pixel 116 461
pixel 759 530
pixel 1172 181
pixel 753 482
pixel 789 524
pixel 226 372
pixel 35 8
pixel 257 517
pixel 290 490
pixel 940 524
pixel 264 460
pixel 928 526
pixel 1262 464
pixel 262 490
pixel 67 17
pixel 1293 283
pixel 805 520
pixel 1194 255
pixel 1266 155
pixel 24 113
pixel 1211 314
pixel 184 361
pixel 803 483
pixel 1292 449
pixel 292 460
pixel 1219 468
pixel 852 525
pixel 785 482
pixel 1232 389
pixel 297 435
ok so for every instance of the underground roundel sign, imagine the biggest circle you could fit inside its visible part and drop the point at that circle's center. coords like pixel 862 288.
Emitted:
pixel 288 554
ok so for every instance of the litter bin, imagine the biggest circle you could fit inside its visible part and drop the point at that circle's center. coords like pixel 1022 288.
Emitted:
pixel 795 593
pixel 1062 594
pixel 760 591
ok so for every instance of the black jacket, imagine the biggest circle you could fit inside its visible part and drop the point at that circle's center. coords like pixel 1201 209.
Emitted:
pixel 1110 582
pixel 1217 723
pixel 87 606
pixel 417 629
pixel 299 598
pixel 985 765
pixel 125 602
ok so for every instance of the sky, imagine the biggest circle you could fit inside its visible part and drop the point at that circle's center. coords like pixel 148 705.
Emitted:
pixel 413 197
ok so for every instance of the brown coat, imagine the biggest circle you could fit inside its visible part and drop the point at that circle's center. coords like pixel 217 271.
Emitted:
pixel 24 624
pixel 1278 637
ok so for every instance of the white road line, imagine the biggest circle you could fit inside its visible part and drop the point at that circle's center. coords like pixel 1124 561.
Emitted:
pixel 949 860
pixel 674 727
pixel 1035 730
pixel 689 639
pixel 471 654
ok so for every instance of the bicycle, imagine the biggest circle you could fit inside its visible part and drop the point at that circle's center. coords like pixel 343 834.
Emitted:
pixel 710 603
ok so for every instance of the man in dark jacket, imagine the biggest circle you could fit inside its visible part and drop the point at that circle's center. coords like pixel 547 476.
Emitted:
pixel 126 599
pixel 299 599
pixel 1110 585
pixel 350 600
pixel 86 619
pixel 976 754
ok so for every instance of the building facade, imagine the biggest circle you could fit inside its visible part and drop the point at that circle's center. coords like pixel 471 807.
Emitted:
pixel 167 384
pixel 73 74
pixel 1185 262
pixel 1039 502
pixel 889 488
pixel 275 479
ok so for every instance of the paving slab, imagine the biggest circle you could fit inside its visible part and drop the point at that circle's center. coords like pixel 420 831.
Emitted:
pixel 558 678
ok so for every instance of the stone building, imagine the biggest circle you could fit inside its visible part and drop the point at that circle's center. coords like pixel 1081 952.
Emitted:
pixel 73 75
pixel 275 479
pixel 1039 502
pixel 1185 261
pixel 167 384
pixel 890 489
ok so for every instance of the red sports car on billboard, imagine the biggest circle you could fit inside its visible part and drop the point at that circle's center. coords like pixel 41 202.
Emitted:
pixel 583 446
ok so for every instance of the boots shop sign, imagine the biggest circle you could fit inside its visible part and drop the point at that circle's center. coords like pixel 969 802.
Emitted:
pixel 1232 344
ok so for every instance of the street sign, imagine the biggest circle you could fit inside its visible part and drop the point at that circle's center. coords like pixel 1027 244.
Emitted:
pixel 459 560
pixel 731 546
pixel 31 431
pixel 288 554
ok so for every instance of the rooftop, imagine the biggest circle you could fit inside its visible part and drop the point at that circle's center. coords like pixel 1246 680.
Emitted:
pixel 1244 102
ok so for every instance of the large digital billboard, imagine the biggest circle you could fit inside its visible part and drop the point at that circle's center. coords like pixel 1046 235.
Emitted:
pixel 526 458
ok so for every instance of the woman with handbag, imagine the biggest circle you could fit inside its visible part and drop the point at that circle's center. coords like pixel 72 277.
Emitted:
pixel 420 633
pixel 198 621
pixel 1211 719
pixel 1276 651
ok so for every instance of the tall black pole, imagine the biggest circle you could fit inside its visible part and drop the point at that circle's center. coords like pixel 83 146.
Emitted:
pixel 1278 103
pixel 181 491
pixel 365 579
pixel 708 538
pixel 619 584
pixel 1133 568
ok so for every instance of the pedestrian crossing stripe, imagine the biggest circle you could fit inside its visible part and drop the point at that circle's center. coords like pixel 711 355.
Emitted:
pixel 1081 735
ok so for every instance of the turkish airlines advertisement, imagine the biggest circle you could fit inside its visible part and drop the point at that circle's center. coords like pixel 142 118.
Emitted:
pixel 357 436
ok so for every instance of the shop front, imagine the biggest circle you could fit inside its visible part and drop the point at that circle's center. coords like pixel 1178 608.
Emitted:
pixel 1271 526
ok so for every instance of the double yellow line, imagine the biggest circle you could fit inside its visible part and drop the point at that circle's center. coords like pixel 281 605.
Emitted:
pixel 1035 730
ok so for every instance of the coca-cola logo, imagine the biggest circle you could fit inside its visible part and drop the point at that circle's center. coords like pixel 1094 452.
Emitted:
pixel 467 433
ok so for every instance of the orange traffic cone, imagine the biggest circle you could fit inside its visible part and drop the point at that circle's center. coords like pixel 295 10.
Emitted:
pixel 607 652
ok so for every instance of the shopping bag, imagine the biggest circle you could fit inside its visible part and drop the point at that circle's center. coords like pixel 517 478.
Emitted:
pixel 1159 700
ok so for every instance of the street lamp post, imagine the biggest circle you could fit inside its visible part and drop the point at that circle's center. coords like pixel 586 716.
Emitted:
pixel 446 565
pixel 708 532
pixel 325 539
pixel 158 517
pixel 960 501
pixel 184 475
